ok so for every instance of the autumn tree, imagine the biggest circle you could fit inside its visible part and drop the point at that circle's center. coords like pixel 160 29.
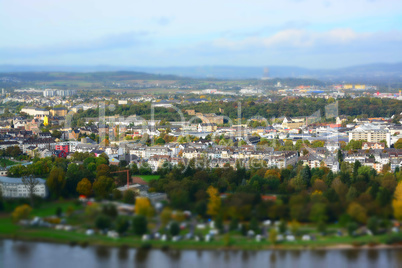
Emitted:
pixel 56 181
pixel 214 203
pixel 84 187
pixel 103 186
pixel 397 202
pixel 357 212
pixel 21 213
pixel 398 144
pixel 142 206
pixel 166 216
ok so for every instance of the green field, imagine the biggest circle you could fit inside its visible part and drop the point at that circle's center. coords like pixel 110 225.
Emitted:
pixel 147 178
pixel 234 240
pixel 6 162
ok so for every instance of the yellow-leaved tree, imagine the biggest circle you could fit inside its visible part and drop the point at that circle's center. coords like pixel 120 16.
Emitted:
pixel 21 213
pixel 397 202
pixel 214 203
pixel 143 207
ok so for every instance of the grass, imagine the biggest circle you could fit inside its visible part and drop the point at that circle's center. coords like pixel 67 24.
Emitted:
pixel 6 162
pixel 147 178
pixel 237 241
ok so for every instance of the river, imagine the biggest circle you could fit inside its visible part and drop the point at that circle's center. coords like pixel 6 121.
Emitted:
pixel 18 254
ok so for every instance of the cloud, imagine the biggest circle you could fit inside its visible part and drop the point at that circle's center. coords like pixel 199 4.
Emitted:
pixel 107 42
pixel 296 38
pixel 163 21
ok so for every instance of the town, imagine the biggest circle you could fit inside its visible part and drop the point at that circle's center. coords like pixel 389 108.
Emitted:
pixel 273 164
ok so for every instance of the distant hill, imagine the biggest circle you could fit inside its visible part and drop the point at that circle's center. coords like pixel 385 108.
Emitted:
pixel 374 73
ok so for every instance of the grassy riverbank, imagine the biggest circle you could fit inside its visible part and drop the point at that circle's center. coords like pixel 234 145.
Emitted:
pixel 233 240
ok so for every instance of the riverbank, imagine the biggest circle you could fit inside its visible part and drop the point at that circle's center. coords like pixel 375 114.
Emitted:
pixel 235 242
pixel 230 241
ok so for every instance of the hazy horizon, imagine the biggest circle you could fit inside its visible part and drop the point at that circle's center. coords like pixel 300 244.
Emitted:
pixel 306 33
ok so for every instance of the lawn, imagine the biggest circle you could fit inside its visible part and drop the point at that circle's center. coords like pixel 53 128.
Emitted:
pixel 147 178
pixel 6 162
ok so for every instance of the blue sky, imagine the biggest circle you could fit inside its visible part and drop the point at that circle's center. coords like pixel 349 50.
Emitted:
pixel 306 33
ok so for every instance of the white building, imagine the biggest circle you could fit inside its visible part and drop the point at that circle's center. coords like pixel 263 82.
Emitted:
pixel 15 188
pixel 370 133
pixel 36 112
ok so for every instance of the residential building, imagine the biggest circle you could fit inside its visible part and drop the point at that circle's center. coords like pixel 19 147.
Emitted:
pixel 15 188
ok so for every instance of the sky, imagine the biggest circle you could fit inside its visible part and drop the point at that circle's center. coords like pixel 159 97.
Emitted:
pixel 306 33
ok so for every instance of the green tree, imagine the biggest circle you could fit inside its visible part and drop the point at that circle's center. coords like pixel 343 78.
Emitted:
pixel 174 228
pixel 103 186
pixel 140 225
pixel 103 222
pixel 129 197
pixel 254 225
pixel 122 225
pixel 373 224
pixel 56 181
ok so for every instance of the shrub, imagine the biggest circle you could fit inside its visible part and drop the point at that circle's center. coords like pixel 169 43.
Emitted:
pixel 103 222
pixel 174 228
pixel 140 225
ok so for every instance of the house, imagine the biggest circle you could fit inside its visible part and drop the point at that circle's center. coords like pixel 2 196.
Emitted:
pixel 63 147
pixel 15 188
pixel 60 153
pixel 44 135
pixel 73 134
pixel 373 145
pixel 3 171
pixel 35 112
pixel 289 123
pixel 61 111
pixel 207 127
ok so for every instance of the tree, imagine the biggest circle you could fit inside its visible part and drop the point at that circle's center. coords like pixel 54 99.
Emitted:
pixel 102 170
pixel 56 181
pixel 254 225
pixel 357 212
pixel 318 213
pixel 103 186
pixel 30 183
pixel 21 213
pixel 140 225
pixel 122 225
pixel 110 210
pixel 117 195
pixel 272 236
pixel 306 175
pixel 84 187
pixel 103 222
pixel 340 156
pixel 129 197
pixel 142 206
pixel 373 224
pixel 174 228
pixel 398 144
pixel 397 202
pixel 352 227
pixel 356 167
pixel 234 224
pixel 214 203
pixel 166 216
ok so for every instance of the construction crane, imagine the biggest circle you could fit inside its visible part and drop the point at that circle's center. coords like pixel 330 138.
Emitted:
pixel 128 175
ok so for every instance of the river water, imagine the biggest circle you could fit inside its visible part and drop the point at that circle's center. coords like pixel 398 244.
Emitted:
pixel 18 254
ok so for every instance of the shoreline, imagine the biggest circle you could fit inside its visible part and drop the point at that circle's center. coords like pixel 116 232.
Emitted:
pixel 147 245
